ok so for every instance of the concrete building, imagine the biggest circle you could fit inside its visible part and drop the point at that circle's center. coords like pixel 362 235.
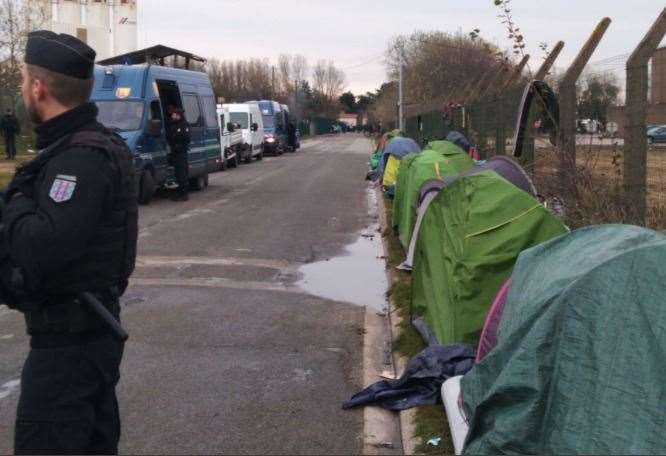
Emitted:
pixel 659 76
pixel 108 26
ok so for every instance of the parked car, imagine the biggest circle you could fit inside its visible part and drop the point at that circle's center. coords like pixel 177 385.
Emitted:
pixel 231 138
pixel 133 101
pixel 248 117
pixel 657 135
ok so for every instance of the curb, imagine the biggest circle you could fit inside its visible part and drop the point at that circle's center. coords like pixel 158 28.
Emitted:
pixel 407 417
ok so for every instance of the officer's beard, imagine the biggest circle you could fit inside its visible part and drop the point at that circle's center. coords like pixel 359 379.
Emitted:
pixel 34 115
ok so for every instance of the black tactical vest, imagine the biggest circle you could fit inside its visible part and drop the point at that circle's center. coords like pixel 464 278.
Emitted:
pixel 110 256
pixel 110 259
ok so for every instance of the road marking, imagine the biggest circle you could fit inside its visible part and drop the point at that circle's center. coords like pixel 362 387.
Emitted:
pixel 216 282
pixel 156 261
pixel 7 337
pixel 8 388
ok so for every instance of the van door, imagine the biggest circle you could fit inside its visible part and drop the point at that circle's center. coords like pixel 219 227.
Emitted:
pixel 197 156
pixel 156 146
pixel 211 134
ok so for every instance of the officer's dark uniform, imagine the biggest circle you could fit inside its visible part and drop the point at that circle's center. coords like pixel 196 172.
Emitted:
pixel 10 128
pixel 70 226
pixel 291 135
pixel 179 139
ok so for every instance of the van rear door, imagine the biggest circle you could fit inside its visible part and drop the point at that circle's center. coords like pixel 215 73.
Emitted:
pixel 197 157
pixel 211 133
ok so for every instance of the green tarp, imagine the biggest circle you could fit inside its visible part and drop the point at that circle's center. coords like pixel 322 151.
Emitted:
pixel 471 236
pixel 580 365
pixel 438 160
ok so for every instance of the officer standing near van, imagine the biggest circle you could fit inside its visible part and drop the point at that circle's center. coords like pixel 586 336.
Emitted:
pixel 178 131
pixel 10 128
pixel 70 228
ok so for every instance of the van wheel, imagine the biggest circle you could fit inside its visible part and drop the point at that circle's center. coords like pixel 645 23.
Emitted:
pixel 261 155
pixel 199 184
pixel 234 163
pixel 146 187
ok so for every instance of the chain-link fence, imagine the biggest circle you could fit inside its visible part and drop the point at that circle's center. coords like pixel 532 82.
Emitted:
pixel 592 156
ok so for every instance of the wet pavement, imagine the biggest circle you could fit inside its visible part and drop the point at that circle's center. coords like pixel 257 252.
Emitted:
pixel 246 313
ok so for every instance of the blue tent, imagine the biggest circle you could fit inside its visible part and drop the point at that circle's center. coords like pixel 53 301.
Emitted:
pixel 398 147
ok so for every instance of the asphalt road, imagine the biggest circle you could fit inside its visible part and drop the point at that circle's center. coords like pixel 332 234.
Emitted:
pixel 226 353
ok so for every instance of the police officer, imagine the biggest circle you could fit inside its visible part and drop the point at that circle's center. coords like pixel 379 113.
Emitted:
pixel 178 131
pixel 10 128
pixel 69 227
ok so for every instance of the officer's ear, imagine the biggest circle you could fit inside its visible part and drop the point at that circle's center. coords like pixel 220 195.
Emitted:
pixel 33 86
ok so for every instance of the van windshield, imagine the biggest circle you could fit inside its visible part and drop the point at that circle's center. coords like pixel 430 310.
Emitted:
pixel 241 118
pixel 120 115
pixel 269 121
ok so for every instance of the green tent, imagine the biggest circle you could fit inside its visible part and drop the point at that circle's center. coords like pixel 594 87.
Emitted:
pixel 439 159
pixel 471 236
pixel 580 363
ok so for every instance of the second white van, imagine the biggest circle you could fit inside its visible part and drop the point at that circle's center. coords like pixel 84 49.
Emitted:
pixel 248 117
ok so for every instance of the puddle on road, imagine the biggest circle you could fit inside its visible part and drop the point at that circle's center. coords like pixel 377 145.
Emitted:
pixel 358 276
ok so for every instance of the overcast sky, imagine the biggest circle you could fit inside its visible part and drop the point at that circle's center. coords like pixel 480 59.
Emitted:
pixel 354 33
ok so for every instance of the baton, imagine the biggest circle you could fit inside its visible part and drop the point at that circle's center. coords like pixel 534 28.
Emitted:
pixel 102 312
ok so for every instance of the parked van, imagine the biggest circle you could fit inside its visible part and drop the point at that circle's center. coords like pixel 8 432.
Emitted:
pixel 133 100
pixel 275 132
pixel 248 117
pixel 232 139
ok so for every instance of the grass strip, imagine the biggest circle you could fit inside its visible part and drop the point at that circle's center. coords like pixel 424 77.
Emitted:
pixel 431 421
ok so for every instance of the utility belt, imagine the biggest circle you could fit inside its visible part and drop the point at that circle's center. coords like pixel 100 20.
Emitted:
pixel 61 315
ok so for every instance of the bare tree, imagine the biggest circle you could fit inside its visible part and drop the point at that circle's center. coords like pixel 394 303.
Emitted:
pixel 17 19
pixel 319 76
pixel 299 68
pixel 284 69
pixel 335 82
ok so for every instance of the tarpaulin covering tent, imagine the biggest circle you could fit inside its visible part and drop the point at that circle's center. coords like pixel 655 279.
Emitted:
pixel 399 148
pixel 467 246
pixel 580 364
pixel 438 160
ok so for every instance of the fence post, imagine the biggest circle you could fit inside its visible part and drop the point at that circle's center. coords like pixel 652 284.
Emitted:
pixel 540 75
pixel 635 137
pixel 513 77
pixel 481 83
pixel 567 131
pixel 500 100
pixel 550 60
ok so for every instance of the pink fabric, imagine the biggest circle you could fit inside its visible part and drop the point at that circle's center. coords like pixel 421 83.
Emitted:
pixel 488 339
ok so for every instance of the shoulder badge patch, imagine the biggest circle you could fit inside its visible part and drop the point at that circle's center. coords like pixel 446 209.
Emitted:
pixel 63 188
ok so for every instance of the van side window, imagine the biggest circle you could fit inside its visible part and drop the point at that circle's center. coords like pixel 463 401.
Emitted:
pixel 210 111
pixel 192 110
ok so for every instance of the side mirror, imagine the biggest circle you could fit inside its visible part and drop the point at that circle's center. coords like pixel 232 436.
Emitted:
pixel 155 127
pixel 231 127
pixel 255 126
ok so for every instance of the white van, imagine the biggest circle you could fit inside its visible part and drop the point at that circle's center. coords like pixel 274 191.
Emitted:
pixel 248 116
pixel 231 139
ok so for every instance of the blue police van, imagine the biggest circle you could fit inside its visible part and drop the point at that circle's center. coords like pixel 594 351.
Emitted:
pixel 134 100
pixel 275 127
